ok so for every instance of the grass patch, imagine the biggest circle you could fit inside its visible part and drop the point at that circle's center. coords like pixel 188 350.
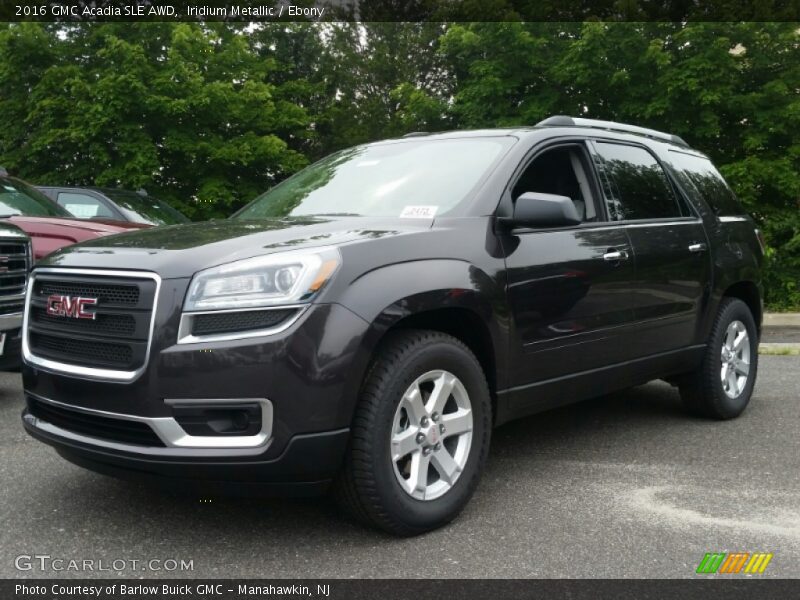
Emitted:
pixel 770 350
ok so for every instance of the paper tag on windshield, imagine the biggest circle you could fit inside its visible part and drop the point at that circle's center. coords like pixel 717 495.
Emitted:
pixel 418 212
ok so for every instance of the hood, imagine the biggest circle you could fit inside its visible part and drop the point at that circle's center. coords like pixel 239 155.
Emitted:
pixel 116 223
pixel 75 226
pixel 49 234
pixel 7 230
pixel 182 250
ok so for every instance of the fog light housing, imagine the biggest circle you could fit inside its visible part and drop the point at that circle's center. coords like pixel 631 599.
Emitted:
pixel 222 419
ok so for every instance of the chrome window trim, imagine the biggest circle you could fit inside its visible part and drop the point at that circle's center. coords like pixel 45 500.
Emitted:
pixel 732 219
pixel 81 372
pixel 176 440
pixel 685 221
pixel 609 224
pixel 185 328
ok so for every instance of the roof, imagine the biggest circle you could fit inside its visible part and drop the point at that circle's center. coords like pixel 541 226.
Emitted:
pixel 562 121
pixel 557 121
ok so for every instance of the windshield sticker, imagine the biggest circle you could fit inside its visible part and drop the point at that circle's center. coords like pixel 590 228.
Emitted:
pixel 418 212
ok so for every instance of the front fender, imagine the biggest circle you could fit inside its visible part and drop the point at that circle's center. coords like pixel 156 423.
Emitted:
pixel 385 296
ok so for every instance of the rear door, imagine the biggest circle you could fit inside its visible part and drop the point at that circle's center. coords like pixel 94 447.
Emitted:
pixel 670 247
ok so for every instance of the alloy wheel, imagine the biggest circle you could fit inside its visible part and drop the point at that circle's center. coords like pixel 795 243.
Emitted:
pixel 735 368
pixel 431 435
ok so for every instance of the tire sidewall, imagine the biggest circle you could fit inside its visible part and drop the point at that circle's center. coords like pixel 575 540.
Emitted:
pixel 735 311
pixel 426 514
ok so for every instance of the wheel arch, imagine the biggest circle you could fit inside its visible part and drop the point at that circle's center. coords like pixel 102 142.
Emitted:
pixel 748 292
pixel 449 296
pixel 462 324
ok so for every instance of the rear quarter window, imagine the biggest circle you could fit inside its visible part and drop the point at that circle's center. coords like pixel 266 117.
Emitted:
pixel 701 179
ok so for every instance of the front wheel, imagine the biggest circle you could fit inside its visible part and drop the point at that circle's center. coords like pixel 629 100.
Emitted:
pixel 420 435
pixel 722 386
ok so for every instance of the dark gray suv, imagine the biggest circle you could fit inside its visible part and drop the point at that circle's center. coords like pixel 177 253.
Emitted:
pixel 364 325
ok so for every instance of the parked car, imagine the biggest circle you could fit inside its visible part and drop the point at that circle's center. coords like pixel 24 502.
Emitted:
pixel 49 226
pixel 15 262
pixel 114 204
pixel 365 324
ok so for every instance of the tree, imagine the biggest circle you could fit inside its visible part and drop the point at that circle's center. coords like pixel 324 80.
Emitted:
pixel 187 111
pixel 210 115
pixel 731 90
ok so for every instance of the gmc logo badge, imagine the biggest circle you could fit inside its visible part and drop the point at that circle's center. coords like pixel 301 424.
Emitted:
pixel 67 306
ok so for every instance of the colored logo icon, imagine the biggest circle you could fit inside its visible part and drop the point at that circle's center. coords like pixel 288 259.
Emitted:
pixel 734 562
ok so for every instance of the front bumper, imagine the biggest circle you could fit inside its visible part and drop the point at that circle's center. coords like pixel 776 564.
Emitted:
pixel 10 358
pixel 306 465
pixel 308 374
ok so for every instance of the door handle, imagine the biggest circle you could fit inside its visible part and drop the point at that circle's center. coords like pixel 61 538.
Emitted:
pixel 699 247
pixel 615 255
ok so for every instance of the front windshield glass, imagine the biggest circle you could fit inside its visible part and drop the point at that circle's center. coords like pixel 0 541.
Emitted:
pixel 18 198
pixel 145 209
pixel 409 178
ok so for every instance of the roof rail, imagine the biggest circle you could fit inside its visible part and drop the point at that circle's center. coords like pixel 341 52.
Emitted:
pixel 563 121
pixel 417 134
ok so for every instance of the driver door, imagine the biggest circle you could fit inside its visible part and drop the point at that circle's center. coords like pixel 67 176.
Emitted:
pixel 570 288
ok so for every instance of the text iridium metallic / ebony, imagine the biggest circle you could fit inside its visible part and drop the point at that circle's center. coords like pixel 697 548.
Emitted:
pixel 367 321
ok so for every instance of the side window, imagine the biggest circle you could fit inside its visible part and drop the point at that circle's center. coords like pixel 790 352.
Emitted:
pixel 699 176
pixel 634 184
pixel 83 206
pixel 560 171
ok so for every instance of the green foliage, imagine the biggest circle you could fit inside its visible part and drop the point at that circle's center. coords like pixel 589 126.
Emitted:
pixel 209 115
pixel 187 111
pixel 729 89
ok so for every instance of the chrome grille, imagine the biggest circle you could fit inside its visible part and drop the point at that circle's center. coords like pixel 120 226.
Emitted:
pixel 122 294
pixel 15 262
pixel 114 344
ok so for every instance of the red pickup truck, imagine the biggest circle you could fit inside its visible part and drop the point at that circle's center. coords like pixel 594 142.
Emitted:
pixel 49 226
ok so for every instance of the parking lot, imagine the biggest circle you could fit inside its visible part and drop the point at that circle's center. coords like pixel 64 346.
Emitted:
pixel 623 486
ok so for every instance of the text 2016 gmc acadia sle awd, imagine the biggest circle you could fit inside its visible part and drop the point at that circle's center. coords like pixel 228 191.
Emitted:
pixel 362 326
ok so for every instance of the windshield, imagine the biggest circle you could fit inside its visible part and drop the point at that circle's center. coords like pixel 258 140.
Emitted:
pixel 145 209
pixel 18 198
pixel 409 178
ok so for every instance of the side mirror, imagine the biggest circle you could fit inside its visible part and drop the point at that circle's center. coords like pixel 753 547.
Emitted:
pixel 535 209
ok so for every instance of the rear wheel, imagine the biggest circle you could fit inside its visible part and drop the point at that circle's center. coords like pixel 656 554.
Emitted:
pixel 721 388
pixel 420 435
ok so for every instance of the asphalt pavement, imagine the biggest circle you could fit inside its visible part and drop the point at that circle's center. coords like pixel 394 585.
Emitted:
pixel 622 486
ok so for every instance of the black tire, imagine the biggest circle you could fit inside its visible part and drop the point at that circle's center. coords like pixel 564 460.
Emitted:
pixel 367 487
pixel 702 391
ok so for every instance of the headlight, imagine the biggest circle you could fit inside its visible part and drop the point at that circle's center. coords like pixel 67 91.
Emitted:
pixel 275 279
